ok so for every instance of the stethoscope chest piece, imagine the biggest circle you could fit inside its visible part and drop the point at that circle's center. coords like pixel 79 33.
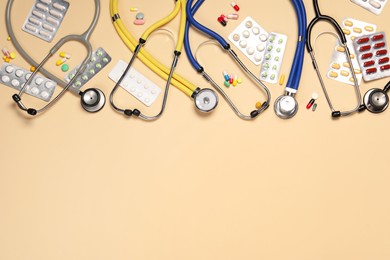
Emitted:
pixel 206 100
pixel 285 107
pixel 93 100
pixel 376 100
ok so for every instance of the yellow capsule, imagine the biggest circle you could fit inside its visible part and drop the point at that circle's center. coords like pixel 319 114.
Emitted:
pixel 13 55
pixel 61 61
pixel 8 38
pixel 336 66
pixel 32 68
pixel 258 105
pixel 234 81
pixel 353 38
pixel 281 80
pixel 369 28
pixel 333 74
pixel 133 9
pixel 357 30
pixel 340 49
pixel 351 79
pixel 344 73
pixel 346 64
pixel 352 56
pixel 346 31
pixel 65 55
pixel 239 80
pixel 348 23
pixel 357 71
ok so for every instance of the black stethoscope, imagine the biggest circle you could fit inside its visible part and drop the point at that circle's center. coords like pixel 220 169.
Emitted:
pixel 343 42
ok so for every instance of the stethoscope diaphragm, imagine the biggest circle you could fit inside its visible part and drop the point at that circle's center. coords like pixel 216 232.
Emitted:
pixel 206 100
pixel 376 100
pixel 93 100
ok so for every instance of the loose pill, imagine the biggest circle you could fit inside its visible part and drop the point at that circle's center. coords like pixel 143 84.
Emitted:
pixel 32 68
pixel 226 83
pixel 235 6
pixel 139 22
pixel 133 9
pixel 258 105
pixel 235 81
pixel 139 16
pixel 232 16
pixel 239 80
pixel 61 61
pixel 226 76
pixel 65 55
pixel 65 67
pixel 281 80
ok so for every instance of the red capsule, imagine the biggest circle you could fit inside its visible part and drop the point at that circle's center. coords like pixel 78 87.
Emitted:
pixel 365 48
pixel 235 6
pixel 310 104
pixel 369 63
pixel 367 56
pixel 381 52
pixel 363 40
pixel 385 67
pixel 379 45
pixel 377 37
pixel 384 60
pixel 371 71
pixel 222 21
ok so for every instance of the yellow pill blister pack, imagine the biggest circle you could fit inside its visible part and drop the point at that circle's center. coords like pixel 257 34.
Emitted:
pixel 339 68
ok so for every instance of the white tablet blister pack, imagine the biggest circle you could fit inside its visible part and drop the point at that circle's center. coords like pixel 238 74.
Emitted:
pixel 251 39
pixel 45 18
pixel 339 68
pixel 15 77
pixel 374 6
pixel 273 57
pixel 98 61
pixel 135 83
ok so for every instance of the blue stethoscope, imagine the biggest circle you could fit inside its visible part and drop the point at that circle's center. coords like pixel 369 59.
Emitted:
pixel 191 10
pixel 286 106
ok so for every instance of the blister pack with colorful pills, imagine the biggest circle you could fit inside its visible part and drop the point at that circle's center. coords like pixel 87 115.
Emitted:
pixel 45 18
pixel 374 6
pixel 135 83
pixel 339 68
pixel 273 57
pixel 251 39
pixel 16 77
pixel 98 61
pixel 373 56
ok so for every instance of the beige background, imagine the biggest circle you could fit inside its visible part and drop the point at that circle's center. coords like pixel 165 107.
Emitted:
pixel 75 185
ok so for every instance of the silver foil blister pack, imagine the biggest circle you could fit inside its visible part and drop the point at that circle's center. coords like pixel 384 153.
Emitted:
pixel 98 61
pixel 16 77
pixel 45 18
pixel 374 6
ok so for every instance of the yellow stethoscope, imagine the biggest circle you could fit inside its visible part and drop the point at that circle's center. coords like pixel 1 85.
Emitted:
pixel 205 99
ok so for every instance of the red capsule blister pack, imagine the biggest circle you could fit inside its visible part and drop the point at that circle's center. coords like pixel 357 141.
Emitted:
pixel 373 55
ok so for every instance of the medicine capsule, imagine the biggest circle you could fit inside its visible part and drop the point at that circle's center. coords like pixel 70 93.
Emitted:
pixel 231 79
pixel 347 65
pixel 333 74
pixel 369 63
pixel 365 48
pixel 344 73
pixel 222 21
pixel 363 40
pixel 235 81
pixel 226 76
pixel 371 71
pixel 61 61
pixel 281 79
pixel 348 23
pixel 357 30
pixel 369 28
pixel 346 31
pixel 367 56
pixel 385 67
pixel 381 53
pixel 235 6
pixel 226 83
pixel 232 16
pixel 379 45
pixel 65 55
pixel 6 52
pixel 377 37
pixel 340 49
pixel 336 66
pixel 258 105
pixel 133 9
pixel 384 60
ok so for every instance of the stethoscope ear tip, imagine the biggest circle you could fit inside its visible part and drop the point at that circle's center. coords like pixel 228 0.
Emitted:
pixel 93 100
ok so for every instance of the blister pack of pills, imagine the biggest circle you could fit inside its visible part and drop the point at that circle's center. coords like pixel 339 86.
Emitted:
pixel 98 61
pixel 339 68
pixel 16 77
pixel 45 18
pixel 251 39
pixel 373 56
pixel 136 84
pixel 374 6
pixel 273 57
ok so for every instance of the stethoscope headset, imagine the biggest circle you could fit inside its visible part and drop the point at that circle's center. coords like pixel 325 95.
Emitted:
pixel 92 99
pixel 205 99
pixel 343 42
pixel 191 10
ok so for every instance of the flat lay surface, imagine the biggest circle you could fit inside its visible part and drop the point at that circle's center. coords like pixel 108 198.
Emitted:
pixel 76 185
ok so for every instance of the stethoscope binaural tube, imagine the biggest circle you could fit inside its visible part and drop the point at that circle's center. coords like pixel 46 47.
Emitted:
pixel 343 41
pixel 83 39
pixel 286 105
pixel 191 10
